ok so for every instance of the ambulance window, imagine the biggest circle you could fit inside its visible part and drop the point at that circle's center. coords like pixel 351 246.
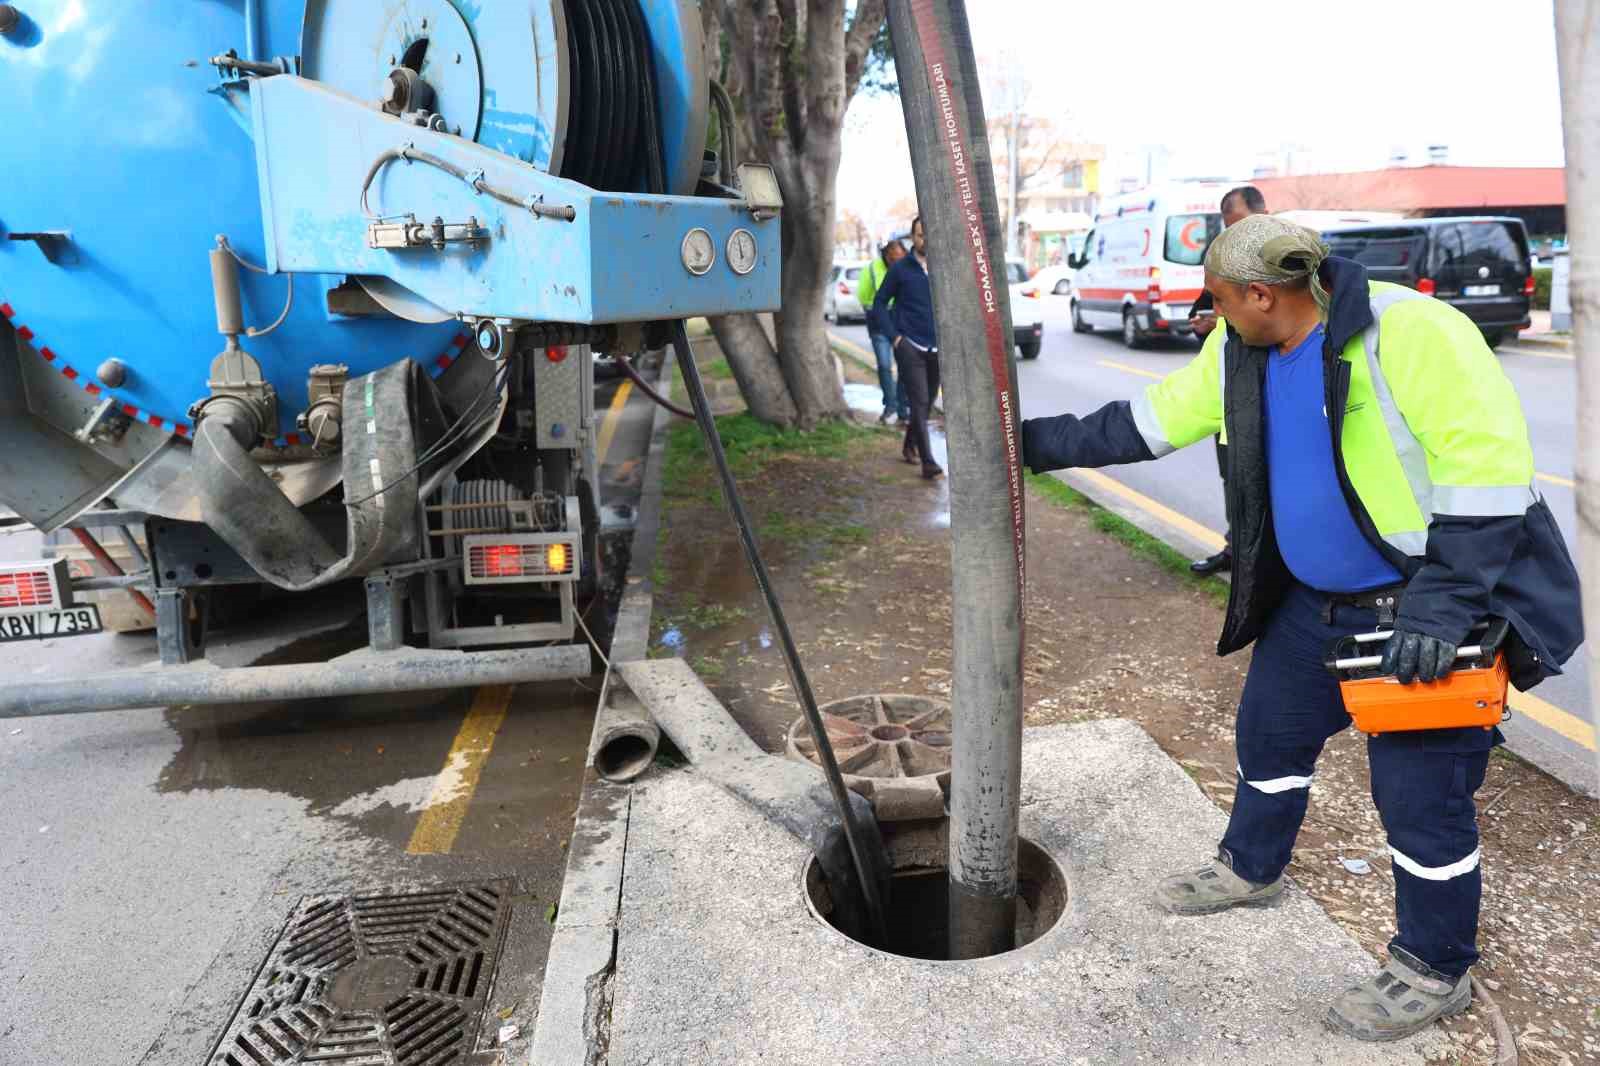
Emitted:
pixel 1189 235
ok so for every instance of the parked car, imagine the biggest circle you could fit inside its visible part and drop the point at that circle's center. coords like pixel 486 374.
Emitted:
pixel 840 303
pixel 1141 267
pixel 1054 280
pixel 1480 265
pixel 1027 313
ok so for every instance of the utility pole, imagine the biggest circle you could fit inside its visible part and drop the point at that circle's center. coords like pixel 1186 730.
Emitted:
pixel 1578 61
pixel 956 191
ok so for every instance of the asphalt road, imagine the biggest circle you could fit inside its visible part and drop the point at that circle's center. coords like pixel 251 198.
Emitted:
pixel 148 858
pixel 1079 372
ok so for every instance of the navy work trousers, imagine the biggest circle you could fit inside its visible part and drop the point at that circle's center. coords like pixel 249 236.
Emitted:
pixel 1422 783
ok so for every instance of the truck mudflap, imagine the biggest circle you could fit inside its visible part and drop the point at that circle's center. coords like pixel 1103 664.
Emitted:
pixel 360 673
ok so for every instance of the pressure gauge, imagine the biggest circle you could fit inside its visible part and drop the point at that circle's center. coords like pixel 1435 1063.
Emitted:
pixel 742 251
pixel 699 251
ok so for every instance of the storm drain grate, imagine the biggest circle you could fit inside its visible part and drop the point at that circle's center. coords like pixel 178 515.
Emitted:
pixel 374 980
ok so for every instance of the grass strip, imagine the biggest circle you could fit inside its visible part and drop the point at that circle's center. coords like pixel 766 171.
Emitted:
pixel 1120 529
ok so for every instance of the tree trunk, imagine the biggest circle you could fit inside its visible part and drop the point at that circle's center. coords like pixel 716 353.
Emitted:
pixel 803 347
pixel 1578 60
pixel 755 368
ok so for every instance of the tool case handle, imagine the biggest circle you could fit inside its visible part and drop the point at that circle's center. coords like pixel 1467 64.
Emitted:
pixel 1491 634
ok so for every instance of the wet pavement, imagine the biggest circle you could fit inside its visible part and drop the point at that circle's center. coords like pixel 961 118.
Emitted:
pixel 149 857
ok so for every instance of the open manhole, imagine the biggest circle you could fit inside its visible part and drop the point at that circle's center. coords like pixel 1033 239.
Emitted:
pixel 918 906
pixel 376 980
pixel 894 749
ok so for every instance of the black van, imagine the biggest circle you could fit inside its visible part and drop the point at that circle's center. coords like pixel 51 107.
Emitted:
pixel 1480 266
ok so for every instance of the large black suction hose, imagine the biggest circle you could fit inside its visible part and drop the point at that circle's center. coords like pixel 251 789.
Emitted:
pixel 865 845
pixel 955 189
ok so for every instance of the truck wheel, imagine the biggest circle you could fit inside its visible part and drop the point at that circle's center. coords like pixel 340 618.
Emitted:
pixel 1029 349
pixel 1130 331
pixel 1078 324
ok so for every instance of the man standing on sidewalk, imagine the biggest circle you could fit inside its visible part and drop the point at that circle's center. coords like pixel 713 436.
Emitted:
pixel 916 343
pixel 895 403
pixel 1237 204
pixel 1381 478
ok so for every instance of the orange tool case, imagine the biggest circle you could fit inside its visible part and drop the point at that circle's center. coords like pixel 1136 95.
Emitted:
pixel 1473 694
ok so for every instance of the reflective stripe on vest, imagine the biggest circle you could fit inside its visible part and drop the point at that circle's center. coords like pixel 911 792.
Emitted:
pixel 1144 417
pixel 1413 458
pixel 1431 499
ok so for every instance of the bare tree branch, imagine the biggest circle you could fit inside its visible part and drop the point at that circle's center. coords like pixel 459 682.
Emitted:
pixel 864 29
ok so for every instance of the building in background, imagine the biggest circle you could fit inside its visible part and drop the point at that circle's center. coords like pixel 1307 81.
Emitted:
pixel 1057 188
pixel 1537 195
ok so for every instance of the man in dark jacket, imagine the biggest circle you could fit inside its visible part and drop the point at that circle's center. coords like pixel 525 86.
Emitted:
pixel 916 343
pixel 1236 206
pixel 1379 476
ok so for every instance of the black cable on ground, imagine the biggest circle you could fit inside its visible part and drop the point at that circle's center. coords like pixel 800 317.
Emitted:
pixel 866 871
pixel 649 390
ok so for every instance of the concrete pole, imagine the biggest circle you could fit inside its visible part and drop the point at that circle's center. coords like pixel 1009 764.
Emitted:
pixel 956 192
pixel 1578 60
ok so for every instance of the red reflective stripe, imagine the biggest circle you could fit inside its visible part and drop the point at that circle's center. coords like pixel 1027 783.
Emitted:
pixel 71 375
pixel 443 362
pixel 130 410
pixel 1177 296
pixel 49 356
pixel 459 340
pixel 92 389
pixel 180 429
pixel 155 421
pixel 5 309
pixel 25 333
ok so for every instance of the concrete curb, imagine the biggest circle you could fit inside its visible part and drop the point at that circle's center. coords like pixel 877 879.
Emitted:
pixel 1543 340
pixel 1165 532
pixel 577 974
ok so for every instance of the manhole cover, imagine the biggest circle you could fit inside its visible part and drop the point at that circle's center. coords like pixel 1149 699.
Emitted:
pixel 893 749
pixel 374 980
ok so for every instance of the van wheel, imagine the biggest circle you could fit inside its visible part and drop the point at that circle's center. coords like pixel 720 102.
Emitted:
pixel 1130 331
pixel 1078 324
pixel 1029 349
pixel 1494 337
pixel 829 316
pixel 1062 287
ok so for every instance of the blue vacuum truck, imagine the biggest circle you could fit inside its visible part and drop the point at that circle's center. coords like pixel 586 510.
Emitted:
pixel 308 292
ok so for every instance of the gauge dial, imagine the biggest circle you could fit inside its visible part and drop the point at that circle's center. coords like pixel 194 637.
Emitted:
pixel 699 251
pixel 742 251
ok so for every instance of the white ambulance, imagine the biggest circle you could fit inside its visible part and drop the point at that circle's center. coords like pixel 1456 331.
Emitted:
pixel 1141 265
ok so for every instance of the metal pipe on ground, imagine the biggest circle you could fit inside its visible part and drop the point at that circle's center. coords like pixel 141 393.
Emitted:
pixel 363 673
pixel 955 189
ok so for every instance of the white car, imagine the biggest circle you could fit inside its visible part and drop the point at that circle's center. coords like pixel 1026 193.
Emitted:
pixel 1054 280
pixel 839 304
pixel 1027 312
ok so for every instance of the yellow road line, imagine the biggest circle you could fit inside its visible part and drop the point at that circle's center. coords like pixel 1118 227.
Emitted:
pixel 1208 537
pixel 1563 482
pixel 452 793
pixel 1553 718
pixel 855 348
pixel 608 428
pixel 1129 369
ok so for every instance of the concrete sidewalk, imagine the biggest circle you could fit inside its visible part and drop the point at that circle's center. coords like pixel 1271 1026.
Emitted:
pixel 719 960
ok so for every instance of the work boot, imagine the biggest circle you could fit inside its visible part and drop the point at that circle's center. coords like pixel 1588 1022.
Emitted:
pixel 1404 998
pixel 1213 564
pixel 1213 887
pixel 931 471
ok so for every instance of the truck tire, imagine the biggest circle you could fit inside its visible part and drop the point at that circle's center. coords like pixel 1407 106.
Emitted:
pixel 1130 331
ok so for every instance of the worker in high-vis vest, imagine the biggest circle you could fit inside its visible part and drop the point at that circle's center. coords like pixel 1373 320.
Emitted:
pixel 1380 477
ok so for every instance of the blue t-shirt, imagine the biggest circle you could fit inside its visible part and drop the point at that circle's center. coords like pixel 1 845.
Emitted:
pixel 1317 534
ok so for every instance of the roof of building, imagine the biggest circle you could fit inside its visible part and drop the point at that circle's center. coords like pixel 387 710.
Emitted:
pixel 1418 189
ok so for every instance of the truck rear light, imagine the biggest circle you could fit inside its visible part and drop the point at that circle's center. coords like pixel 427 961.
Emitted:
pixel 38 585
pixel 1427 287
pixel 1527 286
pixel 505 558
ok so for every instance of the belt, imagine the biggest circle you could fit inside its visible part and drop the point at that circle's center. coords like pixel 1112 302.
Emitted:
pixel 1383 600
pixel 917 347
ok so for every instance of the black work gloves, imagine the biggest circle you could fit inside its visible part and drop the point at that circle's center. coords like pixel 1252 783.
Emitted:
pixel 1417 657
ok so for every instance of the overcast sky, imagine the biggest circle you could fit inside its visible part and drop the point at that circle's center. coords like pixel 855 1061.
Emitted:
pixel 1219 82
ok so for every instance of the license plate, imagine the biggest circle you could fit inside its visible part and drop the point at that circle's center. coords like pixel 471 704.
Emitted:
pixel 42 625
pixel 1480 290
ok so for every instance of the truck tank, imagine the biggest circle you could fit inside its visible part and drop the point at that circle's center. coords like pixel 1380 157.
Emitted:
pixel 307 291
pixel 128 158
